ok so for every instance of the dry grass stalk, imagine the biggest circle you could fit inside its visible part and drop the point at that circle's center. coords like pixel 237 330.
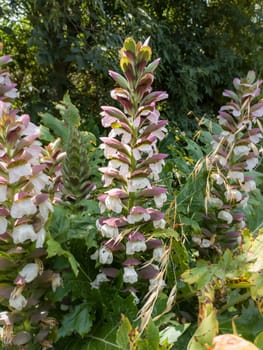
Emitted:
pixel 150 298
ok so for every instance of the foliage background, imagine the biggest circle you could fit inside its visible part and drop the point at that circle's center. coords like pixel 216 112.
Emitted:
pixel 70 45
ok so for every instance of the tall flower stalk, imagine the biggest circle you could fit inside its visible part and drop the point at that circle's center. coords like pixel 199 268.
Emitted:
pixel 235 155
pixel 133 196
pixel 24 213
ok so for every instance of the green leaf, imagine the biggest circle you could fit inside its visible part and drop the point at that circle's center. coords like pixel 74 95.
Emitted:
pixel 259 340
pixel 205 333
pixel 122 337
pixel 66 225
pixel 166 233
pixel 200 275
pixel 69 111
pixel 152 335
pixel 54 249
pixel 78 320
pixel 172 333
pixel 256 281
pixel 249 316
pixel 180 256
pixel 57 126
pixel 130 44
pixel 194 150
pixel 45 134
pixel 103 338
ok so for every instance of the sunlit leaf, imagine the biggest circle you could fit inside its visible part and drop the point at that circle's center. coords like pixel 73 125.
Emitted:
pixel 122 337
pixel 205 333
pixel 130 44
pixel 173 332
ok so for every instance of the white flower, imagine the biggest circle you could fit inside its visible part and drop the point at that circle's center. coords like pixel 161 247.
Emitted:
pixel 11 93
pixel 244 201
pixel 4 317
pixel 240 225
pixel 196 239
pixel 144 148
pixel 215 202
pixel 241 151
pixel 229 137
pixel 135 246
pixel 159 223
pixel 225 216
pixel 249 186
pixel 158 253
pixel 29 272
pixel 130 275
pixel 160 200
pixel 17 300
pixel 217 178
pixel 114 204
pixel 102 207
pixel 107 180
pixel 100 278
pixel 105 256
pixel 136 299
pixel 109 231
pixel 56 281
pixel 23 207
pixel 108 151
pixel 136 217
pixel 3 224
pixel 31 129
pixel 160 133
pixel 126 136
pixel 41 236
pixel 23 232
pixel 236 175
pixel 44 209
pixel 138 183
pixel 3 193
pixel 214 144
pixel 205 243
pixel 156 169
pixel 35 150
pixel 156 282
pixel 16 172
pixel 233 195
pixel 255 138
pixel 39 181
pixel 251 163
pixel 222 160
pixel 153 117
pixel 122 166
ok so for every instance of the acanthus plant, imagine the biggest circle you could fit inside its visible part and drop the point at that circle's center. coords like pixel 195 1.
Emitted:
pixel 24 213
pixel 236 154
pixel 133 197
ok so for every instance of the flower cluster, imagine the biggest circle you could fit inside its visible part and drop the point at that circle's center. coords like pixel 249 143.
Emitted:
pixel 235 155
pixel 24 212
pixel 133 196
pixel 8 89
